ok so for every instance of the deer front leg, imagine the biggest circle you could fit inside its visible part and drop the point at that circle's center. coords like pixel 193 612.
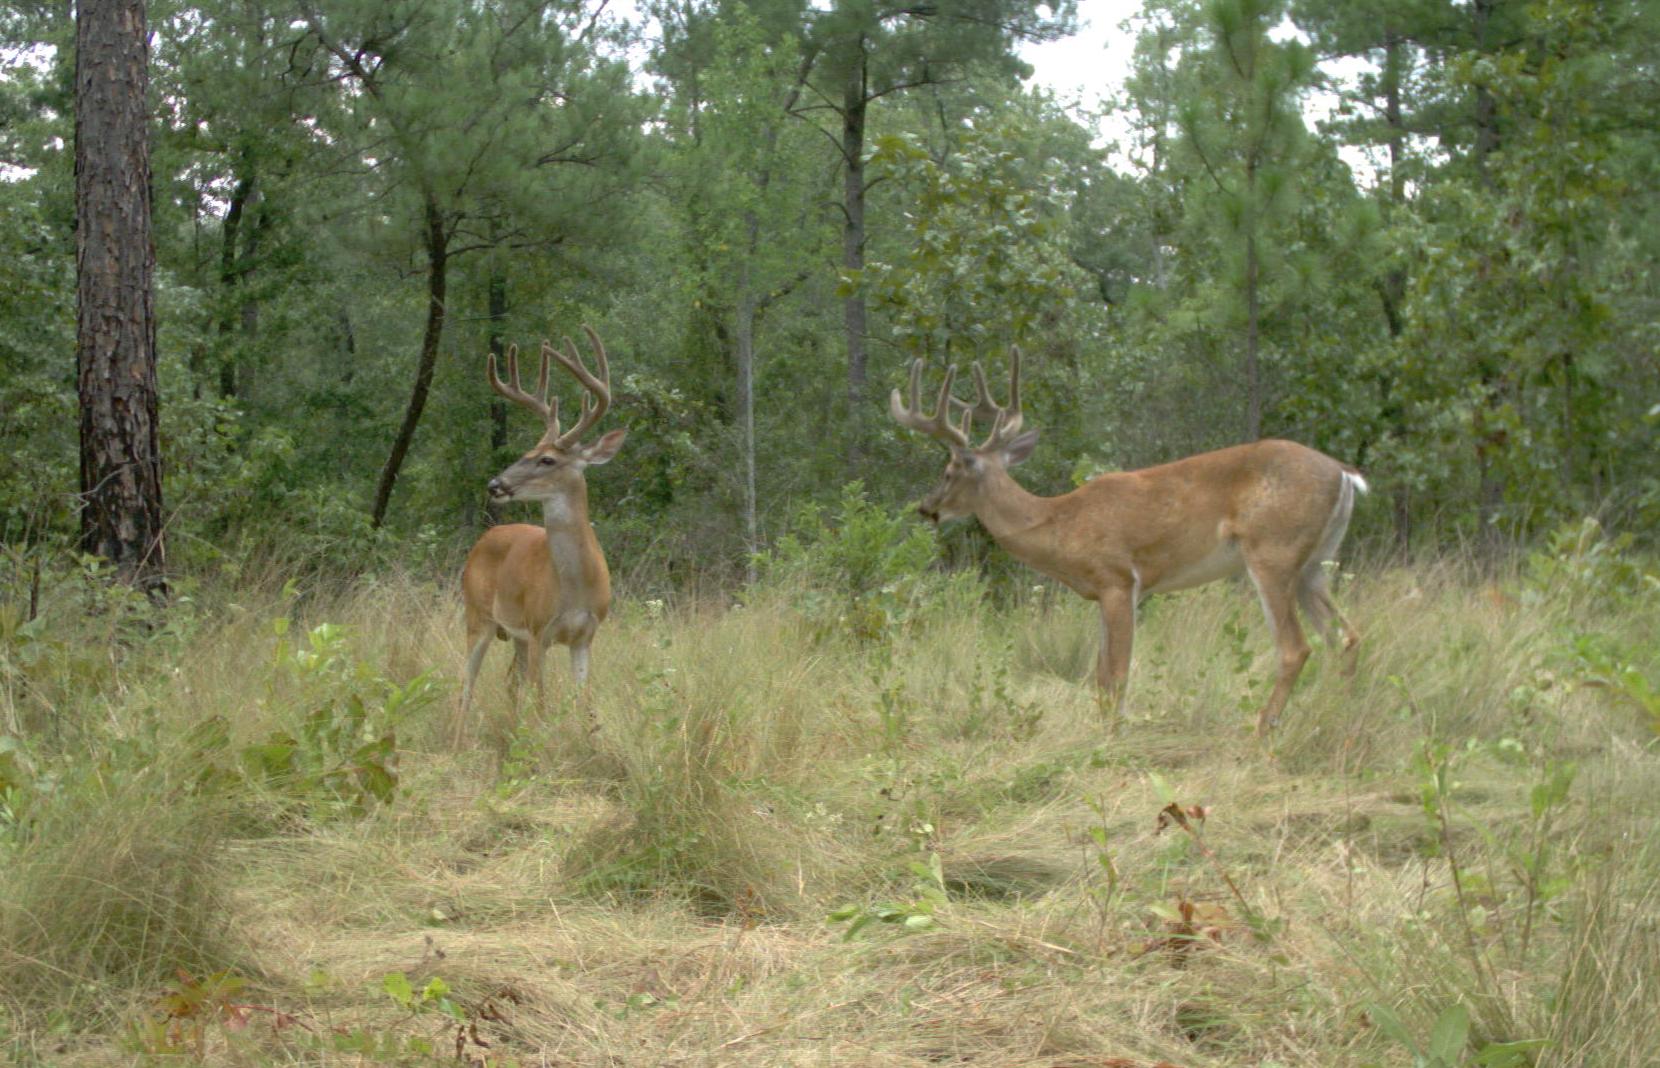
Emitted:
pixel 535 650
pixel 1112 669
pixel 579 665
pixel 579 673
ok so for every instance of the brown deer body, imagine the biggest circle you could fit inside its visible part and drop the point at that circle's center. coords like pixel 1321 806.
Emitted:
pixel 1274 510
pixel 537 585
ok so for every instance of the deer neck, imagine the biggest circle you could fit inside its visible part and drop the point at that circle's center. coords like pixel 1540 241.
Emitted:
pixel 1020 521
pixel 571 542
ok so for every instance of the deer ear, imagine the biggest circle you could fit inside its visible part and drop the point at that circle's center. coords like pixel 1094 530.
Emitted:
pixel 1020 448
pixel 606 447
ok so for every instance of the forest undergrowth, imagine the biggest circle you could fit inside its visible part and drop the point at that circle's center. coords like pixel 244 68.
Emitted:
pixel 891 826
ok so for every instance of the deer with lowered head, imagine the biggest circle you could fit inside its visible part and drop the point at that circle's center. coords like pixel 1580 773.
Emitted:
pixel 537 585
pixel 1274 510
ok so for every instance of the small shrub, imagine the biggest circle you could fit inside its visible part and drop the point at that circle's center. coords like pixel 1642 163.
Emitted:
pixel 343 755
pixel 858 570
pixel 1580 560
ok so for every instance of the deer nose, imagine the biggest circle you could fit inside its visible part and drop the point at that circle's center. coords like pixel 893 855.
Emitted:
pixel 496 488
pixel 927 513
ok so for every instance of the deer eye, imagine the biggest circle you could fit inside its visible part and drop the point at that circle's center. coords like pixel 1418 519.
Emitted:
pixel 547 461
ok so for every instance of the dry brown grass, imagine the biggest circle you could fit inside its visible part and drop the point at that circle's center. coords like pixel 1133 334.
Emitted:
pixel 655 891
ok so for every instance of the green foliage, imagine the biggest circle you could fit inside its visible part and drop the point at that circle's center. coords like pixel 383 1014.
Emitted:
pixel 1580 565
pixel 1449 1039
pixel 1599 663
pixel 1468 318
pixel 1580 561
pixel 344 754
pixel 919 912
pixel 987 258
pixel 860 570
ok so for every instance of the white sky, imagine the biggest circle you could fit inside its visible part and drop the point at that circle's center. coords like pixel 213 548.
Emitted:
pixel 1088 69
pixel 1092 63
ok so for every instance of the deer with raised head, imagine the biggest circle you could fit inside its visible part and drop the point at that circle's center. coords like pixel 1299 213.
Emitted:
pixel 537 585
pixel 1274 510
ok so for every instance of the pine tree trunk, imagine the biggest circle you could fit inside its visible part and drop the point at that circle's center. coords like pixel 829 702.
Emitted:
pixel 854 108
pixel 437 242
pixel 1392 286
pixel 230 230
pixel 744 343
pixel 115 333
pixel 1490 442
pixel 497 312
pixel 1253 378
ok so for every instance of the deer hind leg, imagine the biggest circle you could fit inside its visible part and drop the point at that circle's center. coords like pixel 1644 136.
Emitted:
pixel 478 643
pixel 1112 668
pixel 1314 582
pixel 1314 594
pixel 1278 589
pixel 477 647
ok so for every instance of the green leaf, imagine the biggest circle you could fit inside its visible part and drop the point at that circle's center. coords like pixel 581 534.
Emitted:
pixel 1390 1024
pixel 864 920
pixel 396 985
pixel 1450 1035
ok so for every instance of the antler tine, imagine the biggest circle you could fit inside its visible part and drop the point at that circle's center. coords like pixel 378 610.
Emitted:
pixel 551 398
pixel 983 407
pixel 1009 425
pixel 515 392
pixel 542 386
pixel 1005 419
pixel 1005 424
pixel 939 425
pixel 596 397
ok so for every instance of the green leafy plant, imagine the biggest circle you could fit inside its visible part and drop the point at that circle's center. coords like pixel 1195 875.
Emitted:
pixel 343 755
pixel 1581 559
pixel 1448 1044
pixel 1596 662
pixel 917 913
pixel 857 570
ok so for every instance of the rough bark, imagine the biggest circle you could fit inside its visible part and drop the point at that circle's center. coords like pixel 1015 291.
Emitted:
pixel 1253 342
pixel 115 335
pixel 855 105
pixel 1490 439
pixel 497 298
pixel 744 337
pixel 437 242
pixel 1392 286
pixel 229 273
